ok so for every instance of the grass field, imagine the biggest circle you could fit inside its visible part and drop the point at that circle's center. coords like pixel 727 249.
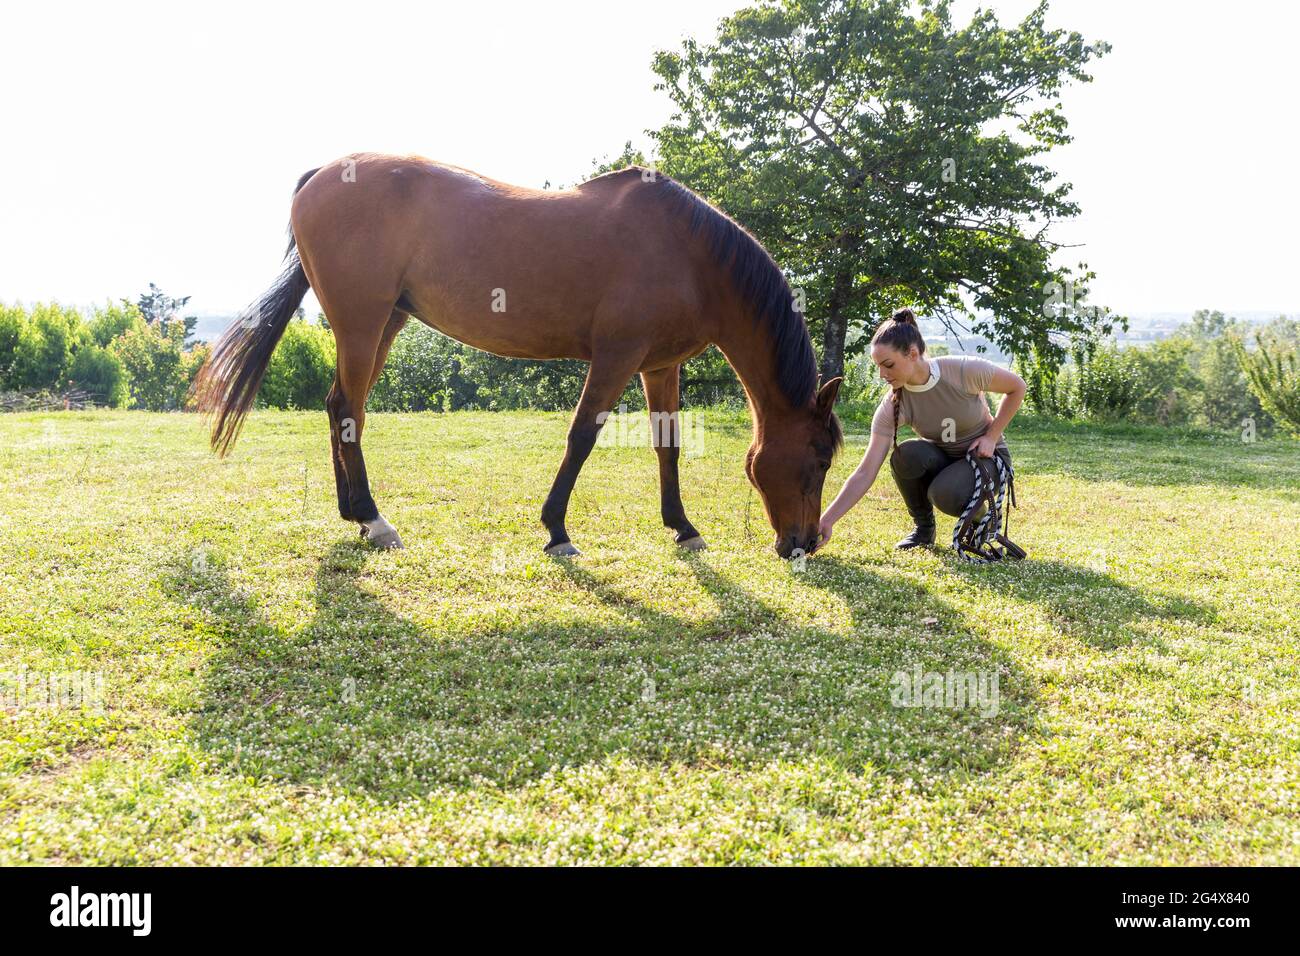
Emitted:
pixel 274 692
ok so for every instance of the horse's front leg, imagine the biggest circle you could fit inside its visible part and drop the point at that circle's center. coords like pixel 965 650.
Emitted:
pixel 606 379
pixel 663 398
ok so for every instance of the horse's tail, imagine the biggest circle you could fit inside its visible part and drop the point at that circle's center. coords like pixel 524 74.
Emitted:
pixel 228 382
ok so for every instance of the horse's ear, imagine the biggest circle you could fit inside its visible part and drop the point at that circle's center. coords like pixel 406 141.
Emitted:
pixel 826 396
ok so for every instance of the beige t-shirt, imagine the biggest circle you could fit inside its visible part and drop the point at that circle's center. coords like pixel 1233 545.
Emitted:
pixel 948 410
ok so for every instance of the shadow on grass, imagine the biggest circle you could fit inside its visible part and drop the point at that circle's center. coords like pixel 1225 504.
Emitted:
pixel 365 699
pixel 1088 605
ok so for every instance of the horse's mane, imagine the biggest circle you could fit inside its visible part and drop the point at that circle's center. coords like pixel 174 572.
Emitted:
pixel 757 279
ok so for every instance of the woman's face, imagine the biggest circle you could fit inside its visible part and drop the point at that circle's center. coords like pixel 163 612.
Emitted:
pixel 897 367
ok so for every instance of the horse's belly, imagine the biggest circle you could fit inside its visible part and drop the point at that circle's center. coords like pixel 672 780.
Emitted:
pixel 520 333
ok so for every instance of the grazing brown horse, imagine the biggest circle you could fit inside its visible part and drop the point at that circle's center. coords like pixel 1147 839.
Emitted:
pixel 630 271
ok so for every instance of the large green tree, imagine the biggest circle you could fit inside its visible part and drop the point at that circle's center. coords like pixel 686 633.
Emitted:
pixel 887 156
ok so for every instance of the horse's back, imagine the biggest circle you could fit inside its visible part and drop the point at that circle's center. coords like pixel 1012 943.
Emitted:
pixel 512 270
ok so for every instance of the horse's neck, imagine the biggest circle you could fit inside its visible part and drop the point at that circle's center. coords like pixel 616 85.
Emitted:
pixel 748 348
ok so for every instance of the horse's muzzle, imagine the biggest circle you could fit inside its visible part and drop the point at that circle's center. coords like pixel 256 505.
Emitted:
pixel 795 545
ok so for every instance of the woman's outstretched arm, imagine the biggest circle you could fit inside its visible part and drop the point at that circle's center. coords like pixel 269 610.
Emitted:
pixel 863 477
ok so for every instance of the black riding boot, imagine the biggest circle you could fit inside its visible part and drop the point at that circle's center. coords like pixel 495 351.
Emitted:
pixel 914 464
pixel 922 534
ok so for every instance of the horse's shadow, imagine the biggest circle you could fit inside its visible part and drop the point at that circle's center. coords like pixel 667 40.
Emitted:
pixel 367 700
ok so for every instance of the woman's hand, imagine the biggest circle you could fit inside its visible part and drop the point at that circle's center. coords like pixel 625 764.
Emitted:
pixel 855 487
pixel 984 446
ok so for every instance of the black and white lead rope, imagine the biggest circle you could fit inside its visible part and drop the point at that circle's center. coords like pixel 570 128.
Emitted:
pixel 980 542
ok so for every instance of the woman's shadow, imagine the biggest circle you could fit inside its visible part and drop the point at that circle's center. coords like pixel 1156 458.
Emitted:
pixel 366 700
pixel 1087 604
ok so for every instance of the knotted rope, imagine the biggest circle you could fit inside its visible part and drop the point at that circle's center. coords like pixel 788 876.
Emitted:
pixel 980 542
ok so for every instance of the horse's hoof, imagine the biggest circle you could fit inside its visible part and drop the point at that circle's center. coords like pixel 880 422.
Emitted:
pixel 380 534
pixel 564 549
pixel 693 544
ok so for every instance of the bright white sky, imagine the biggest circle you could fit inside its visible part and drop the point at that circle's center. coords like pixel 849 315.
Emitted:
pixel 154 142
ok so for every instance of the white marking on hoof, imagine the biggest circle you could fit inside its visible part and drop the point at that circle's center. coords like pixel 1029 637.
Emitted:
pixel 564 549
pixel 381 534
pixel 693 544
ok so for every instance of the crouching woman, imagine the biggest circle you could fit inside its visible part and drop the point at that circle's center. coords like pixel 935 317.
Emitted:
pixel 942 399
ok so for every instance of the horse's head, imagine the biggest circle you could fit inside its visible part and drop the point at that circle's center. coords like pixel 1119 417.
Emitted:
pixel 788 466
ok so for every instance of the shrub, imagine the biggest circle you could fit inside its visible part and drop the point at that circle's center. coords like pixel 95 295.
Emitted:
pixel 423 374
pixel 158 367
pixel 1225 395
pixel 302 368
pixel 1101 384
pixel 37 346
pixel 863 387
pixel 1193 377
pixel 115 356
pixel 707 379
pixel 504 383
pixel 1105 384
pixel 429 371
pixel 1169 391
pixel 113 321
pixel 12 322
pixel 100 372
pixel 1272 373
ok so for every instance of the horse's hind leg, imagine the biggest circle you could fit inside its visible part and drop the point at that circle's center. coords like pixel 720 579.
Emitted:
pixel 663 397
pixel 361 349
pixel 395 323
pixel 332 401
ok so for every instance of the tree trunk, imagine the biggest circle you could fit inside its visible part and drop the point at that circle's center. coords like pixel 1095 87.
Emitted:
pixel 836 326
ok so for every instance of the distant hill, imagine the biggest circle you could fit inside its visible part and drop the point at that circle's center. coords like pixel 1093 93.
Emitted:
pixel 1143 327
